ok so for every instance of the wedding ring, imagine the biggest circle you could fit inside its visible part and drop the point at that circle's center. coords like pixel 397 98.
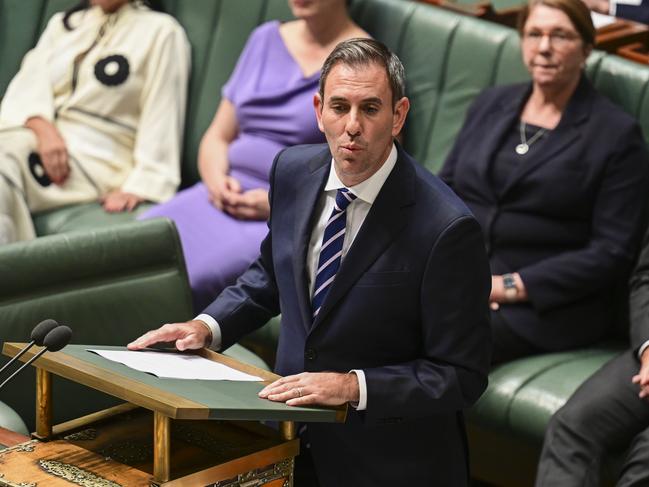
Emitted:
pixel 299 391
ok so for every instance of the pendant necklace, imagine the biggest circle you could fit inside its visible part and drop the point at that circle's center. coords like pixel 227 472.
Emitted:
pixel 524 146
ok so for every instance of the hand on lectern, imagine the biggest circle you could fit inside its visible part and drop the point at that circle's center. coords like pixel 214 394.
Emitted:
pixel 314 388
pixel 186 336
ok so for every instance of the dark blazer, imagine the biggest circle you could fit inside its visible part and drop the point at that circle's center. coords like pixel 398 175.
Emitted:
pixel 408 306
pixel 570 217
pixel 639 13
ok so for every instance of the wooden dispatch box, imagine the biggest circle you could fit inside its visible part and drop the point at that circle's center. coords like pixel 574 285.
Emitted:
pixel 170 433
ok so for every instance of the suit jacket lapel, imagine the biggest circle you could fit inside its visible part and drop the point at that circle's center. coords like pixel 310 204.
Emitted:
pixel 306 199
pixel 564 135
pixel 383 223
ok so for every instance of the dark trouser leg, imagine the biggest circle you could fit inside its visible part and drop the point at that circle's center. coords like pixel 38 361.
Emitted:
pixel 635 472
pixel 305 475
pixel 507 345
pixel 603 415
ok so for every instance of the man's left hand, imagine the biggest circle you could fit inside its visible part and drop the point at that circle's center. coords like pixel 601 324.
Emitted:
pixel 311 388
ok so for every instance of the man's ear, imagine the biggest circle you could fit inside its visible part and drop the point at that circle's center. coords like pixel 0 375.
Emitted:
pixel 399 115
pixel 317 105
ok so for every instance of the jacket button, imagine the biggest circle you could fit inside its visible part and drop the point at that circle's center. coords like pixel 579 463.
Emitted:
pixel 310 354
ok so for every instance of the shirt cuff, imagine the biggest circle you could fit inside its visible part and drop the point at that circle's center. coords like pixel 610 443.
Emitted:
pixel 214 327
pixel 612 7
pixel 642 348
pixel 362 391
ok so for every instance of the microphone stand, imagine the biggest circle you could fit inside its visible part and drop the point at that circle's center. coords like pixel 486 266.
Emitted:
pixel 17 356
pixel 41 352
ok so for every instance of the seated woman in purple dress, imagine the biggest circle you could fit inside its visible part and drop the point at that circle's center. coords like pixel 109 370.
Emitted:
pixel 266 106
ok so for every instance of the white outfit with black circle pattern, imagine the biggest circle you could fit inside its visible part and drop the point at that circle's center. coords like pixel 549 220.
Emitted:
pixel 115 87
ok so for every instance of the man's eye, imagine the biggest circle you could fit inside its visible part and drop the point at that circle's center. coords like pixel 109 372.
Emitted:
pixel 534 35
pixel 338 108
pixel 371 110
pixel 559 35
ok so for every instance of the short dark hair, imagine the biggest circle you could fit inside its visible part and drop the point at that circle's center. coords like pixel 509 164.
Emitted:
pixel 576 10
pixel 362 52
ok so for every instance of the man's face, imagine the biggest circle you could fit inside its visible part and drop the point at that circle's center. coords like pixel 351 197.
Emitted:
pixel 358 119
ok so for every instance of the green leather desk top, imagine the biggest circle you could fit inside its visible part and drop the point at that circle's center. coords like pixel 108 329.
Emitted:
pixel 176 398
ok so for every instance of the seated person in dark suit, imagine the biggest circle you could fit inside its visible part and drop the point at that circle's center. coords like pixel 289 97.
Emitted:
pixel 609 412
pixel 556 175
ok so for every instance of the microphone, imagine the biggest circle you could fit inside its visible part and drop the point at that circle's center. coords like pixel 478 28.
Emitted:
pixel 38 335
pixel 54 341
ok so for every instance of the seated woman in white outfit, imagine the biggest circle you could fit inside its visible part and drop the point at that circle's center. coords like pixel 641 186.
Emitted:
pixel 95 114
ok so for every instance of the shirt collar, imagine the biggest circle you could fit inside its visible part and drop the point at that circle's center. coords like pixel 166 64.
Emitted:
pixel 366 190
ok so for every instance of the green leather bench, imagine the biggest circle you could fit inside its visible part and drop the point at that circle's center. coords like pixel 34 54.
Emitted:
pixel 449 59
pixel 109 285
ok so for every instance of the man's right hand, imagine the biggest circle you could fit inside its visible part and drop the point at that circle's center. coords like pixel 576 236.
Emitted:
pixel 187 336
pixel 51 148
pixel 642 377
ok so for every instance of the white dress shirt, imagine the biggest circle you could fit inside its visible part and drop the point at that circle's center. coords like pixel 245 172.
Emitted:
pixel 358 209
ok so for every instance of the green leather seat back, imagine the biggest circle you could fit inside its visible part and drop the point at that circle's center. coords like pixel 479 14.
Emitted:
pixel 109 285
pixel 21 23
pixel 627 84
pixel 18 29
pixel 426 78
pixel 473 54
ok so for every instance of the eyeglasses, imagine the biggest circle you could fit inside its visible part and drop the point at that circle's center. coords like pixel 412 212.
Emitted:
pixel 557 38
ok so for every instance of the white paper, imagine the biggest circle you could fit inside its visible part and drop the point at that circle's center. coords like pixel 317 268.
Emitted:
pixel 175 365
pixel 601 20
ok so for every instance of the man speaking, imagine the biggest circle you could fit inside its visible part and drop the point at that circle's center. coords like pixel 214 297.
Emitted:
pixel 380 274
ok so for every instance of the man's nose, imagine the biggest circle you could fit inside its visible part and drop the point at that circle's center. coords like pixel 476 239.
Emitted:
pixel 353 126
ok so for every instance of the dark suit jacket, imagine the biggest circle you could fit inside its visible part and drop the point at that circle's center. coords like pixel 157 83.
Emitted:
pixel 639 13
pixel 570 217
pixel 408 306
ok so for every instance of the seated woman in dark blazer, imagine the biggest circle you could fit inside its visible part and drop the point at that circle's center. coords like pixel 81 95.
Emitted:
pixel 556 175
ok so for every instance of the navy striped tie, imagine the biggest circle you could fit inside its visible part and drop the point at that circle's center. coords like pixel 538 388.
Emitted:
pixel 332 249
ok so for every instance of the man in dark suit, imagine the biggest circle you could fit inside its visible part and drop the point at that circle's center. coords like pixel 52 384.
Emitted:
pixel 381 277
pixel 609 413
